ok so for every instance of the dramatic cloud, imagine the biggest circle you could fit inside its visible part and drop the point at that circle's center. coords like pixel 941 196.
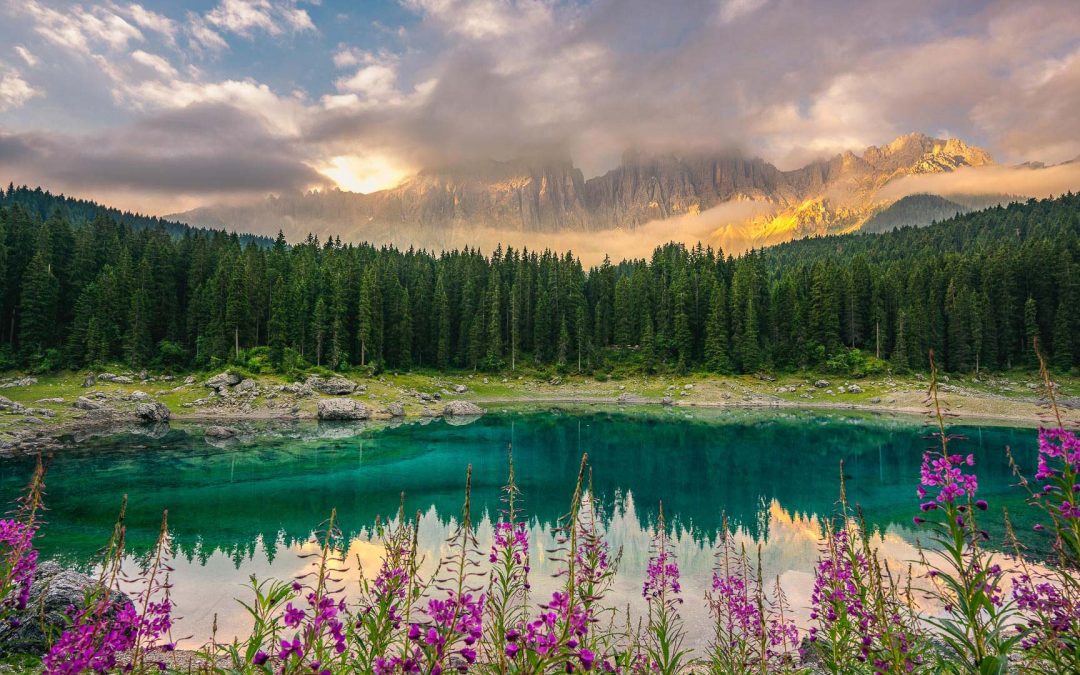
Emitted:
pixel 362 102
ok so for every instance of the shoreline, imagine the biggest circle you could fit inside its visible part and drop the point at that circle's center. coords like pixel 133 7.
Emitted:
pixel 41 414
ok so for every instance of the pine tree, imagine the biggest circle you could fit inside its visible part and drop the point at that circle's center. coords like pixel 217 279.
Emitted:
pixel 717 357
pixel 40 292
pixel 139 345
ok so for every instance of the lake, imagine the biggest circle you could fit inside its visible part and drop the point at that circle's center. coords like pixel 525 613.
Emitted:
pixel 250 506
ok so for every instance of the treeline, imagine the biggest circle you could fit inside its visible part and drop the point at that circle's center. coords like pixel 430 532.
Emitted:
pixel 976 289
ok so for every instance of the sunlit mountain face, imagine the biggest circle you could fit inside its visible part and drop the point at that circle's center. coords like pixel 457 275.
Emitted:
pixel 441 124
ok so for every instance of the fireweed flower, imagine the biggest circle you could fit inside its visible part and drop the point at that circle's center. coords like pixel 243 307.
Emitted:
pixel 19 562
pixel 944 473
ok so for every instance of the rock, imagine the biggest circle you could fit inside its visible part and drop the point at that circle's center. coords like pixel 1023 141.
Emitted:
pixel 21 382
pixel 89 380
pixel 219 432
pixel 821 384
pixel 667 400
pixel 424 396
pixel 876 399
pixel 687 387
pixel 246 386
pixel 460 389
pixel 120 379
pixel 153 411
pixel 394 410
pixel 220 380
pixel 190 379
pixel 140 396
pixel 462 408
pixel 334 386
pixel 143 375
pixel 854 389
pixel 842 389
pixel 50 400
pixel 40 412
pixel 765 377
pixel 623 398
pixel 342 409
pixel 428 412
pixel 83 403
pixel 53 591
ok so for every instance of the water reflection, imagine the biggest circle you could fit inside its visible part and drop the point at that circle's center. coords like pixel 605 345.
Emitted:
pixel 249 507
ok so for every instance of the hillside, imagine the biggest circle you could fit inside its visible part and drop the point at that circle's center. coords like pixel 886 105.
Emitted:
pixel 43 204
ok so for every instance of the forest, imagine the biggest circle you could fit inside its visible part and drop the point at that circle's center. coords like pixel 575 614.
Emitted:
pixel 85 286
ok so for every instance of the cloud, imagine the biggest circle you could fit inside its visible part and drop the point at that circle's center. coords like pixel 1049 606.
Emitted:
pixel 26 55
pixel 202 150
pixel 243 17
pixel 82 29
pixel 461 80
pixel 1020 181
pixel 14 90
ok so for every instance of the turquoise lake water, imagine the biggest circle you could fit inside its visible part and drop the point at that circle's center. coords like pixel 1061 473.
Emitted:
pixel 248 506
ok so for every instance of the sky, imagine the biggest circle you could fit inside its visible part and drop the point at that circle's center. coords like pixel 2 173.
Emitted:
pixel 162 105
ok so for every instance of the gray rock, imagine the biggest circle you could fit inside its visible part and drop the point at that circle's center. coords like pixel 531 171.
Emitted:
pixel 428 412
pixel 821 384
pixel 190 379
pixel 153 411
pixel 83 403
pixel 122 379
pixel 854 389
pixel 225 379
pixel 460 389
pixel 667 400
pixel 395 410
pixel 334 386
pixel 89 380
pixel 138 395
pixel 50 400
pixel 462 408
pixel 53 591
pixel 246 386
pixel 424 396
pixel 876 399
pixel 342 409
pixel 21 382
pixel 219 432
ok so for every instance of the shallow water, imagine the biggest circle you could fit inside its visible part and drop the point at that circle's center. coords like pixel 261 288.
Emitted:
pixel 250 506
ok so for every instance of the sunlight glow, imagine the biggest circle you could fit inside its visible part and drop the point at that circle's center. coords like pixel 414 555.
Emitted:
pixel 363 174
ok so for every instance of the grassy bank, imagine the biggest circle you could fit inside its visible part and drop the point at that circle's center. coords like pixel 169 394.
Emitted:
pixel 49 399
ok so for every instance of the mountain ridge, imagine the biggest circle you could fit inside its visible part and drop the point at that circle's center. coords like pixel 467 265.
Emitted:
pixel 551 195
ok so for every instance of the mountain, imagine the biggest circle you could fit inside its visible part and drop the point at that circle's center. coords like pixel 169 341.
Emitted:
pixel 444 206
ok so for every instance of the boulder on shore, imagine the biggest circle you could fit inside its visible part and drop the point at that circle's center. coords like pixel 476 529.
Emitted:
pixel 153 411
pixel 53 591
pixel 395 410
pixel 462 408
pixel 83 403
pixel 342 409
pixel 225 379
pixel 334 386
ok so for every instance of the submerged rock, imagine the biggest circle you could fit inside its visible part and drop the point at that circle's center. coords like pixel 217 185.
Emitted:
pixel 153 411
pixel 53 591
pixel 219 432
pixel 342 409
pixel 462 408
